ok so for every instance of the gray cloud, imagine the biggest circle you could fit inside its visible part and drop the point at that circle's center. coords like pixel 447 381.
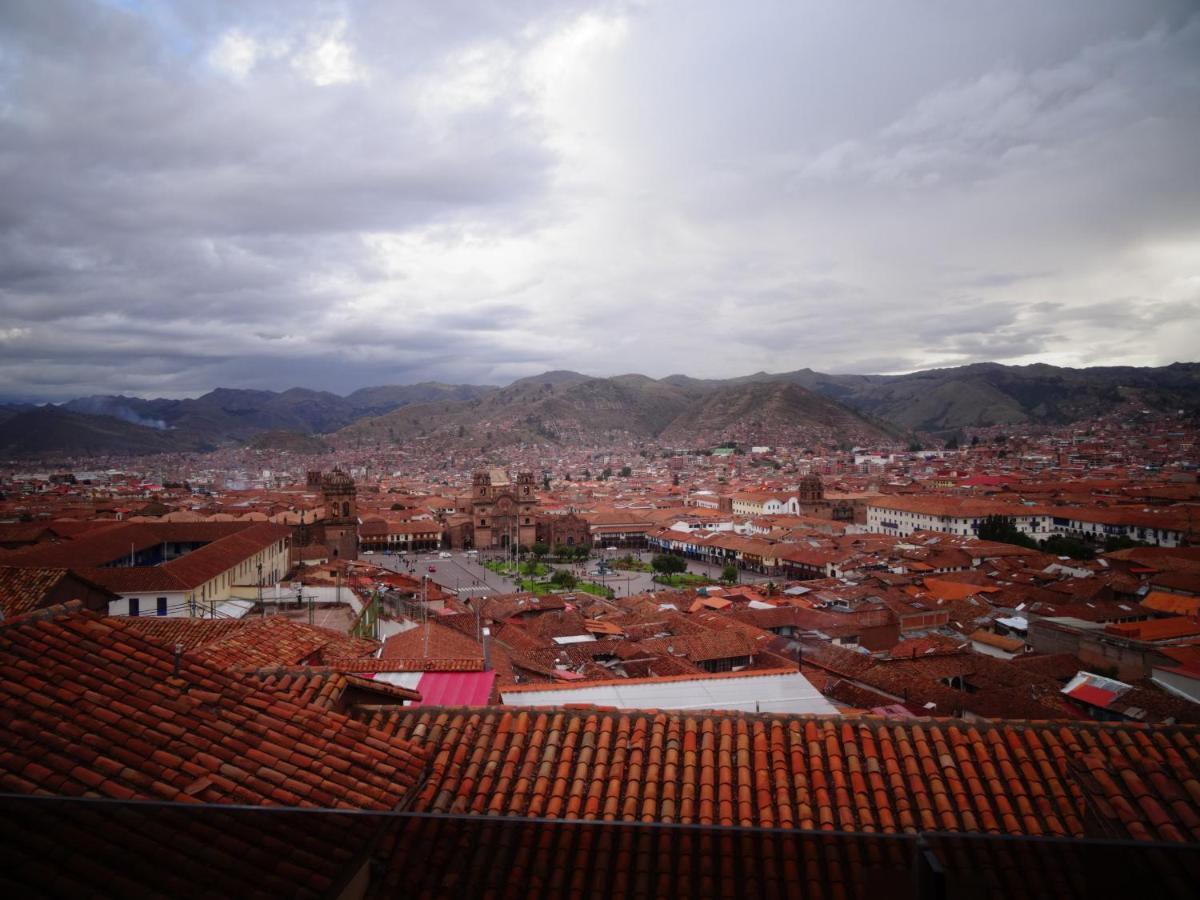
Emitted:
pixel 335 195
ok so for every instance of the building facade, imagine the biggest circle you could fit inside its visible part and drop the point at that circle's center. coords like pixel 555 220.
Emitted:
pixel 503 512
pixel 568 530
pixel 340 526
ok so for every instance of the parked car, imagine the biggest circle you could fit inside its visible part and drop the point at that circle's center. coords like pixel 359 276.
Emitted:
pixel 443 555
pixel 432 568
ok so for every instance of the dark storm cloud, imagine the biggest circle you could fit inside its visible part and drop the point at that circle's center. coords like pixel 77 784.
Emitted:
pixel 338 194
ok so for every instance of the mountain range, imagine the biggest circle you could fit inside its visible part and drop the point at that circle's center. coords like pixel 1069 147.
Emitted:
pixel 796 408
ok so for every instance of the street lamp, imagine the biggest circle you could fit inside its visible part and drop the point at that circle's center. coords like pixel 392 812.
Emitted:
pixel 261 609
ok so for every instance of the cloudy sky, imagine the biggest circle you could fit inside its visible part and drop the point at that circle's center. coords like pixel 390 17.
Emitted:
pixel 338 194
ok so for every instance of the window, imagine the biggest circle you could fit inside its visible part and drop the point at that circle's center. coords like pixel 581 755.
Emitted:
pixel 133 606
pixel 162 606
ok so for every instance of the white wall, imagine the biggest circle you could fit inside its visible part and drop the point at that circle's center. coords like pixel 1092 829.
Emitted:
pixel 148 604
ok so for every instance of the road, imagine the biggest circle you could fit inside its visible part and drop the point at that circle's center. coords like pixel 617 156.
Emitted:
pixel 459 573
pixel 464 574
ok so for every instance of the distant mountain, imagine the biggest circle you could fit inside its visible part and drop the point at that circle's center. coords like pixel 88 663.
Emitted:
pixel 375 401
pixel 8 410
pixel 51 431
pixel 558 407
pixel 228 416
pixel 802 407
pixel 573 409
pixel 290 441
pixel 944 400
pixel 774 413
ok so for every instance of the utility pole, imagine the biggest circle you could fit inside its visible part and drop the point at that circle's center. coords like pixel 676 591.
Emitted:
pixel 425 615
pixel 261 608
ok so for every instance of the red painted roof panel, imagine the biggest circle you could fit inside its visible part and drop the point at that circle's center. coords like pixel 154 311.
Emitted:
pixel 456 688
pixel 1091 694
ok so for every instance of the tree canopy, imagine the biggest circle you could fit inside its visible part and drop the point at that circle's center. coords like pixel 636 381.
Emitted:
pixel 668 564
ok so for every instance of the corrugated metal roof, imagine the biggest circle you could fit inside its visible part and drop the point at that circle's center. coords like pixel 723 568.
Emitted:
pixel 456 688
pixel 1092 695
pixel 785 693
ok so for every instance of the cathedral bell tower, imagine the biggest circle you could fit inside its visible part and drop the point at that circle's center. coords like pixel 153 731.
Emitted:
pixel 339 495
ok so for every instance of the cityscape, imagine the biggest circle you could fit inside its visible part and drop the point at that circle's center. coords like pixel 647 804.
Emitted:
pixel 498 521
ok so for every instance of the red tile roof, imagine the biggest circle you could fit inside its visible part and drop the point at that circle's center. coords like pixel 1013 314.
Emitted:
pixel 253 642
pixel 24 589
pixel 328 688
pixel 1052 778
pixel 91 707
pixel 225 545
pixel 432 640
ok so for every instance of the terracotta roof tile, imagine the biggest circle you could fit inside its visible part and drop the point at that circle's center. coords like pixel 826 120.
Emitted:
pixel 90 707
pixel 855 775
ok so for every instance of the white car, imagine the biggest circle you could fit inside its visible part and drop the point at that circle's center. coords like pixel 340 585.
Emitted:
pixel 443 555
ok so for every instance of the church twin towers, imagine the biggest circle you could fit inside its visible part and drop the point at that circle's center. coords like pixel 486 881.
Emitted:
pixel 503 513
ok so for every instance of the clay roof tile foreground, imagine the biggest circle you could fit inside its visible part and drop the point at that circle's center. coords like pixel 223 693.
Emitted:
pixel 90 707
pixel 1066 779
pixel 207 851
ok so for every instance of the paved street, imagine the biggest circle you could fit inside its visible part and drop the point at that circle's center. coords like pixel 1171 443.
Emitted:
pixel 464 574
pixel 459 573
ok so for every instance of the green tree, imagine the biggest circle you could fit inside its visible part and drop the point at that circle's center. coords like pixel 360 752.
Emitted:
pixel 539 549
pixel 1004 530
pixel 1060 545
pixel 626 471
pixel 564 579
pixel 668 564
pixel 1121 542
pixel 545 482
pixel 729 574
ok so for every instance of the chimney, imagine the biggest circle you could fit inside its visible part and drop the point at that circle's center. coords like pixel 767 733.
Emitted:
pixel 487 647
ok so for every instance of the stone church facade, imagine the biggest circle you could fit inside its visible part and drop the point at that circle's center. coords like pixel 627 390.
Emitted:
pixel 338 529
pixel 502 512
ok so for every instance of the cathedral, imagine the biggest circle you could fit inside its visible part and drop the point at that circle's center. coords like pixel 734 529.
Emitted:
pixel 338 530
pixel 502 513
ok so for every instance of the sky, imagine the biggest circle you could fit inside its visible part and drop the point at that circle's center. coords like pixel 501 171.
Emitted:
pixel 341 194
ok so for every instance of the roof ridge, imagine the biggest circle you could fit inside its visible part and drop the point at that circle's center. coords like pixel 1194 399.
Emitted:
pixel 57 610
